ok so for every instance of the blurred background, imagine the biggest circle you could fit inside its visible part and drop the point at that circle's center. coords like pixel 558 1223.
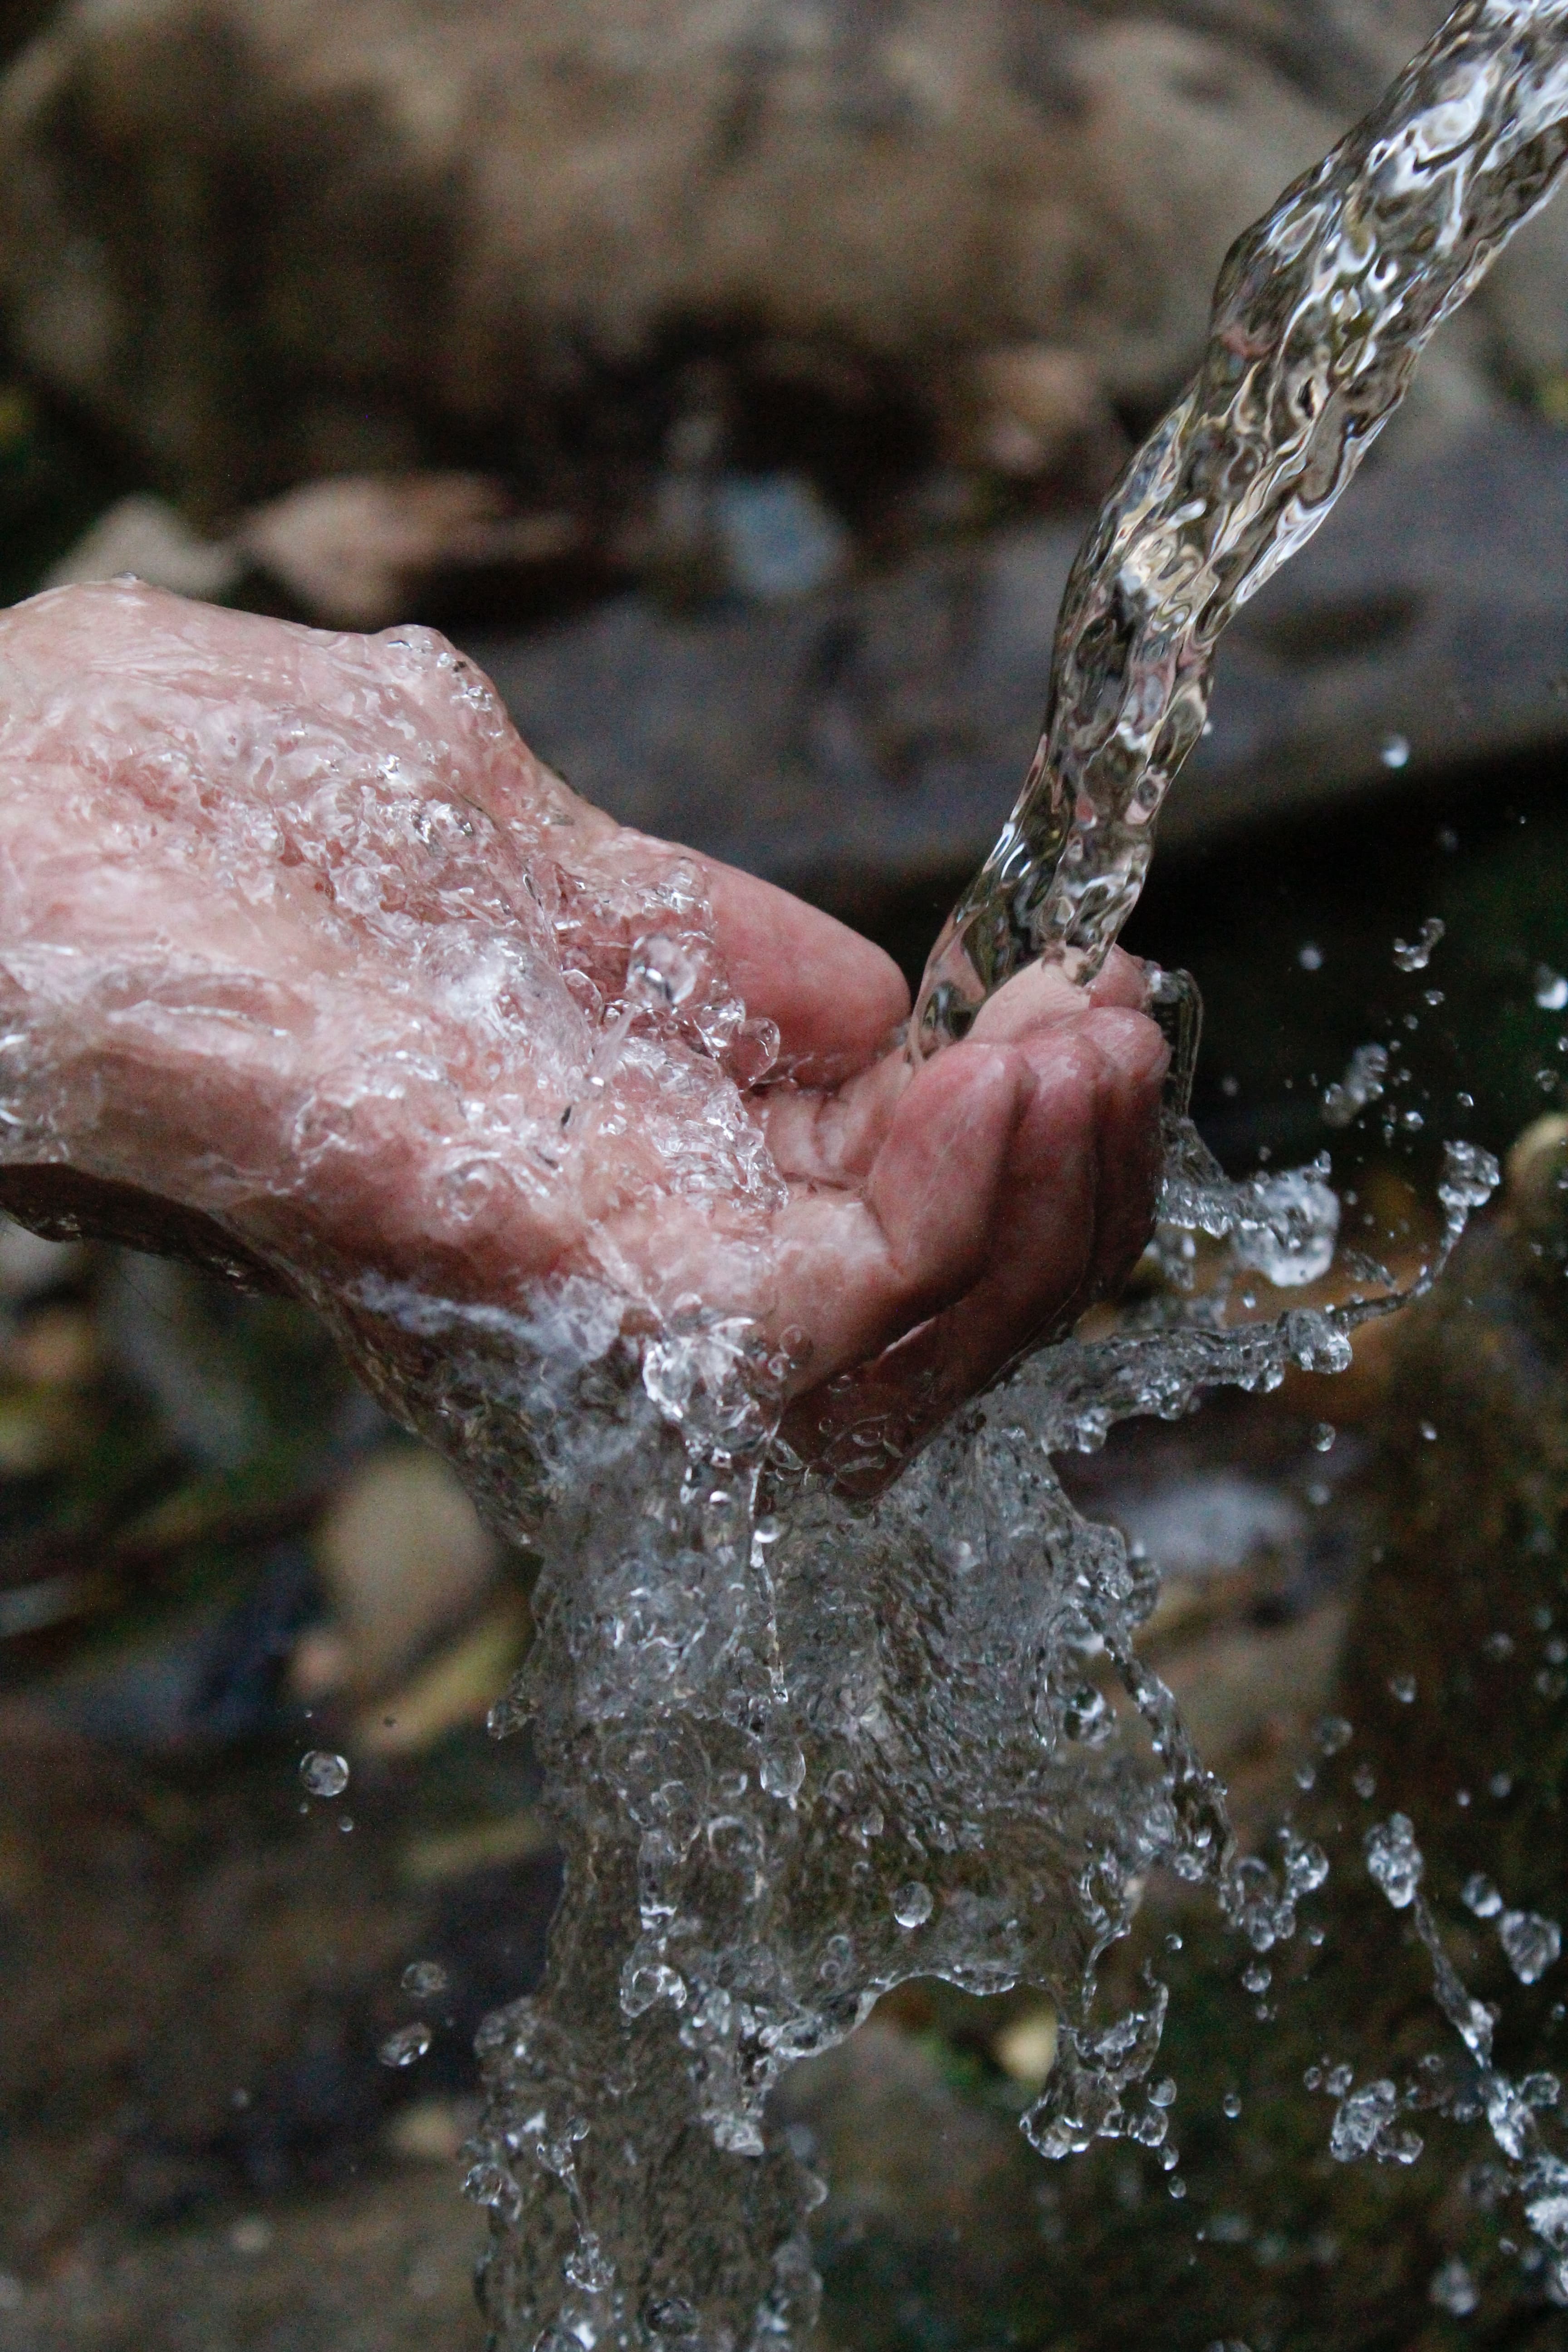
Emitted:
pixel 735 383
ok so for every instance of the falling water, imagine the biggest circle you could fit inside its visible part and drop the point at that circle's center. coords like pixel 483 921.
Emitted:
pixel 798 1747
pixel 1320 314
pixel 803 1750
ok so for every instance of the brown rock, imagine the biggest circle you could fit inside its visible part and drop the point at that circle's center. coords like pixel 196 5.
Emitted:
pixel 267 241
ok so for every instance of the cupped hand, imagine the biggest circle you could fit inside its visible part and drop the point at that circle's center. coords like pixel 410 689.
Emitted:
pixel 307 963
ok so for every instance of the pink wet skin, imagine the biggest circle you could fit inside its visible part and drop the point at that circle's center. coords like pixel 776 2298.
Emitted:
pixel 252 877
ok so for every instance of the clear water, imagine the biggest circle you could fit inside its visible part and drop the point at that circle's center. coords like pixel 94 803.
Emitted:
pixel 798 1749
pixel 803 1750
pixel 1320 316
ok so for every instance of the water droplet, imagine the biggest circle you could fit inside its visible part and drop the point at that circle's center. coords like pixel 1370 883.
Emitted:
pixel 323 1773
pixel 914 1905
pixel 408 2043
pixel 782 1768
pixel 1164 2093
pixel 1395 751
pixel 1323 1436
pixel 1403 1687
pixel 1257 1977
pixel 1429 1432
pixel 1311 956
pixel 1332 1733
pixel 1363 1780
pixel 1230 2105
pixel 345 1822
pixel 1480 1895
pixel 1414 955
pixel 1531 1943
pixel 1453 2290
pixel 423 1980
pixel 1395 1860
pixel 1551 989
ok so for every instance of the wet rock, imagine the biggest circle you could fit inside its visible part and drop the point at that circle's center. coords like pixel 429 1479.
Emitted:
pixel 427 215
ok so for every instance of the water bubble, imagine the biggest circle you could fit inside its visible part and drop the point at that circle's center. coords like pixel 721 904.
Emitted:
pixel 1395 1860
pixel 1257 1977
pixel 1362 1085
pixel 1500 1785
pixel 1363 2125
pixel 1323 1436
pixel 1414 955
pixel 1309 957
pixel 1402 1686
pixel 1429 1432
pixel 781 1769
pixel 1089 1718
pixel 914 1905
pixel 323 1773
pixel 1363 1780
pixel 408 2043
pixel 1541 2091
pixel 1531 1943
pixel 1497 1645
pixel 1480 1895
pixel 1470 1176
pixel 1395 751
pixel 1164 2093
pixel 492 2185
pixel 1332 1733
pixel 423 1980
pixel 1230 2105
pixel 1306 1867
pixel 1551 989
pixel 1453 2290
pixel 345 1822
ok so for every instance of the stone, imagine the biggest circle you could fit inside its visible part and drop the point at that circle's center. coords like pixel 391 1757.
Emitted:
pixel 402 1559
pixel 148 537
pixel 385 234
pixel 359 552
pixel 863 744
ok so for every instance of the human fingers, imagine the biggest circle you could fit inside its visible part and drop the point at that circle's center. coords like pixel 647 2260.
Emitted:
pixel 837 999
pixel 1042 993
pixel 1073 1210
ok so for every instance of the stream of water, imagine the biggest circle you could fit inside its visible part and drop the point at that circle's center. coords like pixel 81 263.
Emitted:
pixel 802 1750
pixel 798 1747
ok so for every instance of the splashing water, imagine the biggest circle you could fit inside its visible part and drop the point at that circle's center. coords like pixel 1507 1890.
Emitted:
pixel 799 1748
pixel 804 1750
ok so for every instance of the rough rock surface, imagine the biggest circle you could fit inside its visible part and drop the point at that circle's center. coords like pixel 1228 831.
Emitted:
pixel 264 241
pixel 867 742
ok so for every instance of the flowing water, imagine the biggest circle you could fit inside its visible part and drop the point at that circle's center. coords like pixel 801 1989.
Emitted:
pixel 803 1750
pixel 798 1747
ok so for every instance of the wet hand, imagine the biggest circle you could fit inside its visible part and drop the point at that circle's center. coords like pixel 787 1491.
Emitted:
pixel 306 960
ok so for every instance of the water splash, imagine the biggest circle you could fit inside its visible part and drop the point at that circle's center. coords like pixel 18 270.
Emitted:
pixel 799 1750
